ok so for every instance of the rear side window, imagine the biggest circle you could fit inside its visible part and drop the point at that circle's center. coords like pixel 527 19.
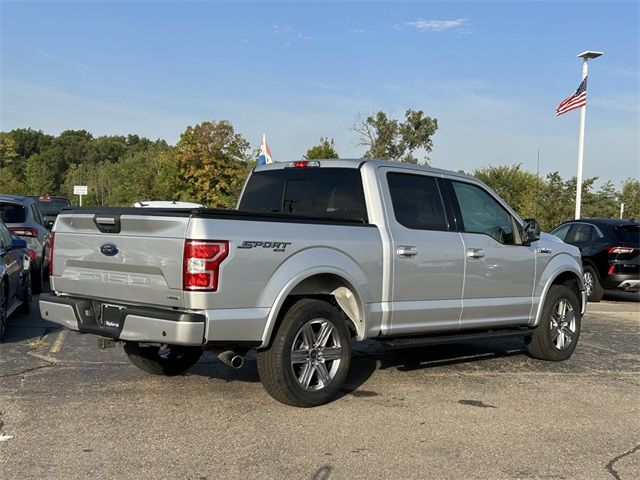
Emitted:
pixel 628 234
pixel 314 192
pixel 416 201
pixel 583 233
pixel 12 213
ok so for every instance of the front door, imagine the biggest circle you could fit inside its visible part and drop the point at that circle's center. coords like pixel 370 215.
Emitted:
pixel 500 271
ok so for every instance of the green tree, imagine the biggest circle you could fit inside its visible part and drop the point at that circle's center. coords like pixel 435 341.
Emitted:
pixel 389 139
pixel 213 162
pixel 521 190
pixel 630 196
pixel 106 149
pixel 29 142
pixel 10 181
pixel 37 180
pixel 8 154
pixel 603 203
pixel 68 148
pixel 325 149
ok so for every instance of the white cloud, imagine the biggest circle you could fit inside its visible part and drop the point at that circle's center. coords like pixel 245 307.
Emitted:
pixel 60 59
pixel 303 37
pixel 438 25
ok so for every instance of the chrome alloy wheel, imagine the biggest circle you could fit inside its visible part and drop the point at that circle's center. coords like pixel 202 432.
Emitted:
pixel 588 283
pixel 316 354
pixel 563 324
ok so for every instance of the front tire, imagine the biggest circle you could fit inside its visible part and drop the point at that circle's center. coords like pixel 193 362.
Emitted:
pixel 165 360
pixel 308 360
pixel 556 337
pixel 595 292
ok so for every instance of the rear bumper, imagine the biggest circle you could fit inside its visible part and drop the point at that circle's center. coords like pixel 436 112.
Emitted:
pixel 120 322
pixel 624 281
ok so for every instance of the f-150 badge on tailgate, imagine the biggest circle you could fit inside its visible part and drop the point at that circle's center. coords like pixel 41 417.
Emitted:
pixel 276 246
pixel 109 249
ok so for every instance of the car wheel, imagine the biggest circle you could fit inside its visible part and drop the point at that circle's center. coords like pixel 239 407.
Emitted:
pixel 592 284
pixel 556 336
pixel 3 310
pixel 27 293
pixel 163 360
pixel 37 279
pixel 309 357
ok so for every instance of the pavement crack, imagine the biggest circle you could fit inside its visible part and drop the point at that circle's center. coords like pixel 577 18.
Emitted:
pixel 612 470
pixel 28 370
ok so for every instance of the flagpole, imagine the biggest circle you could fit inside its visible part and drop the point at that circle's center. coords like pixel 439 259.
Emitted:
pixel 586 56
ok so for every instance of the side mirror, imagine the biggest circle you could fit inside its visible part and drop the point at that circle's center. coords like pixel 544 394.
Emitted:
pixel 530 231
pixel 17 243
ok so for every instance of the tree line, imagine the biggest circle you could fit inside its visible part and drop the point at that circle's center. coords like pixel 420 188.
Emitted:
pixel 210 163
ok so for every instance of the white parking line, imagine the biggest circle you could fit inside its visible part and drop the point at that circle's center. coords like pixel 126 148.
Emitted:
pixel 57 345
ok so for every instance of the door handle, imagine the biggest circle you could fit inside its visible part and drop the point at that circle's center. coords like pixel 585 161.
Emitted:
pixel 474 253
pixel 408 251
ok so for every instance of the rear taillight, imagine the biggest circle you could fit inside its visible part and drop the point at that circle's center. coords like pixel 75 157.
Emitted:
pixel 32 254
pixel 615 250
pixel 24 231
pixel 201 264
pixel 51 239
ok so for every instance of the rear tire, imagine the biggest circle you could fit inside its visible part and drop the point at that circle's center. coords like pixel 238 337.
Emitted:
pixel 556 336
pixel 27 294
pixel 37 279
pixel 166 360
pixel 595 292
pixel 308 360
pixel 3 310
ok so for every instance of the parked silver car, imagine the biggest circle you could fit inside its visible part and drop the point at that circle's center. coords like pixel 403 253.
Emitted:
pixel 24 219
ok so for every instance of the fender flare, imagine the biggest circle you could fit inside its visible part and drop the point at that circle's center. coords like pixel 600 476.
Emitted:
pixel 304 265
pixel 558 266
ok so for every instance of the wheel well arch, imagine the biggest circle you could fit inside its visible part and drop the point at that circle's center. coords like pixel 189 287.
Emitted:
pixel 568 279
pixel 333 289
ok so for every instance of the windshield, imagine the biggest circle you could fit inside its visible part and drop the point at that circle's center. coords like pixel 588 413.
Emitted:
pixel 628 234
pixel 53 206
pixel 12 213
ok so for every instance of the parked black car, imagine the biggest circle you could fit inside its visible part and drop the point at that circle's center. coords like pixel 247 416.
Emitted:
pixel 610 253
pixel 50 207
pixel 15 276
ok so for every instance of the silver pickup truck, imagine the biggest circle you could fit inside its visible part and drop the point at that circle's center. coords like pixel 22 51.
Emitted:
pixel 317 254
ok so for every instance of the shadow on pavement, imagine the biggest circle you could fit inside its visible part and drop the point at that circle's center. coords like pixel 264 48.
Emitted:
pixel 619 296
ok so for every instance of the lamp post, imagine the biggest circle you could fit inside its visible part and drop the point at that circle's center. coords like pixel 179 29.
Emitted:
pixel 586 56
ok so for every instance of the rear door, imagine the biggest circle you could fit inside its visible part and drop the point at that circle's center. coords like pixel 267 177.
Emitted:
pixel 121 255
pixel 499 272
pixel 428 257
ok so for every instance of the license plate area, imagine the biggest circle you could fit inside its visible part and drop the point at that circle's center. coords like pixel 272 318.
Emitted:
pixel 112 316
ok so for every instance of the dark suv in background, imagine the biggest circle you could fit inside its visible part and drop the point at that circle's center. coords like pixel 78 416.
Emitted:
pixel 610 253
pixel 50 207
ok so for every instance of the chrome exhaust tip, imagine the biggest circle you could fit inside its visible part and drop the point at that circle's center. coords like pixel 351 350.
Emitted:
pixel 231 358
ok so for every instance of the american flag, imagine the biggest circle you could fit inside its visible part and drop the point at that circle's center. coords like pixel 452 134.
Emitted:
pixel 577 100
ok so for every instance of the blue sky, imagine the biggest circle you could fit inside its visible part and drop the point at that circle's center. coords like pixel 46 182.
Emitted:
pixel 492 73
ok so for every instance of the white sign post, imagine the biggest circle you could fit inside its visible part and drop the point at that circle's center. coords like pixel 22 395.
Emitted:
pixel 80 190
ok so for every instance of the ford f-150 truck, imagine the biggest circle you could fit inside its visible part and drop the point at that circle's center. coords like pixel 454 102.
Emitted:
pixel 318 254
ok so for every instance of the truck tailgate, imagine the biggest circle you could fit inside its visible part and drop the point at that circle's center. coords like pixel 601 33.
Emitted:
pixel 139 262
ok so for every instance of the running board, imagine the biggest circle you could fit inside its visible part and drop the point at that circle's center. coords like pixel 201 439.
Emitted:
pixel 441 339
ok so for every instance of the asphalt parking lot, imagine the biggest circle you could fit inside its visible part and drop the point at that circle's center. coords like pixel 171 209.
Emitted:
pixel 475 410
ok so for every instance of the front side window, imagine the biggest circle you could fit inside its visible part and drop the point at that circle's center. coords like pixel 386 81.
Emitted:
pixel 481 213
pixel 416 201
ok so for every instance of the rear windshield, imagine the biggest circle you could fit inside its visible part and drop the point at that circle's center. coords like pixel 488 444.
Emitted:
pixel 53 206
pixel 314 192
pixel 12 213
pixel 628 234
